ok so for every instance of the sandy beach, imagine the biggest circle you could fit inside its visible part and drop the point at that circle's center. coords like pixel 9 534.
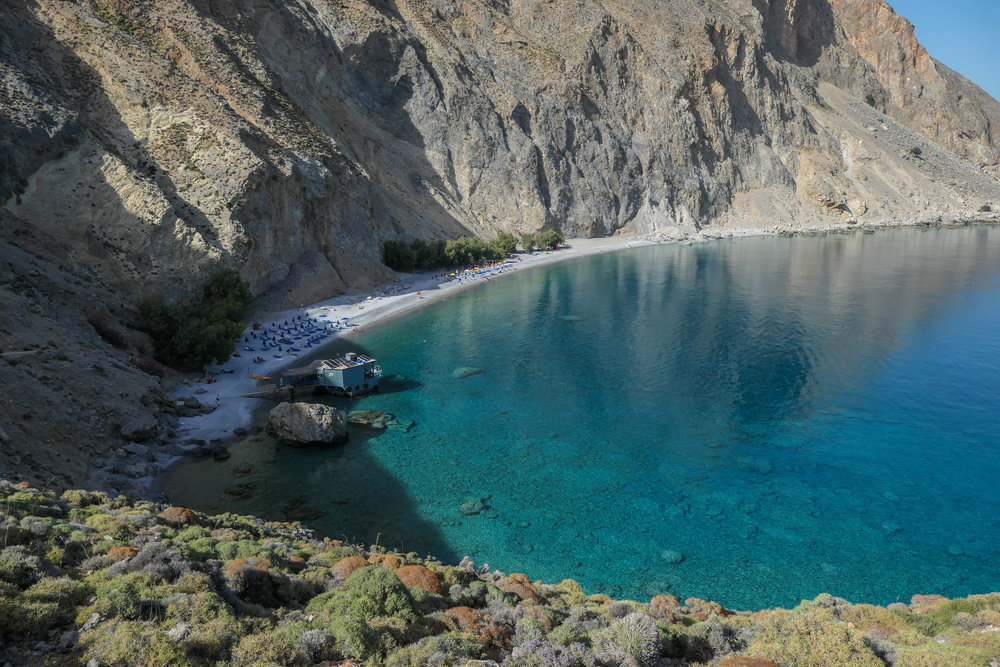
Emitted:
pixel 362 312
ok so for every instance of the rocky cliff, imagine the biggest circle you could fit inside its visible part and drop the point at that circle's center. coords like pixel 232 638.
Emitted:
pixel 143 142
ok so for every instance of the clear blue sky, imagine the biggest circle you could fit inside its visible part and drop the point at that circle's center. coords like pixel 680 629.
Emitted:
pixel 960 33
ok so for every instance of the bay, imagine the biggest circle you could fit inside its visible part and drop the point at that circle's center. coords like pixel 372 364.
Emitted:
pixel 752 421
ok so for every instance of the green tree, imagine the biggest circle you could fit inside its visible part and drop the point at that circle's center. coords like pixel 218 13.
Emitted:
pixel 550 239
pixel 204 330
pixel 505 243
pixel 528 242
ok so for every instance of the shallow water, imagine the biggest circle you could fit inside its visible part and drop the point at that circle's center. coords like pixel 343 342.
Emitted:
pixel 785 416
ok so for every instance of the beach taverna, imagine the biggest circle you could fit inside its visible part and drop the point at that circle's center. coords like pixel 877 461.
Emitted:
pixel 350 375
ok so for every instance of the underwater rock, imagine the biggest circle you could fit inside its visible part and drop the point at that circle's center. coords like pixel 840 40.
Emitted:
pixel 466 371
pixel 243 468
pixel 473 506
pixel 373 419
pixel 307 424
pixel 297 510
pixel 756 465
pixel 891 527
pixel 671 556
pixel 304 513
pixel 571 318
pixel 238 491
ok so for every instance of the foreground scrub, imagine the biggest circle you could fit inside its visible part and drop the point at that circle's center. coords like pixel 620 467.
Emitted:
pixel 85 577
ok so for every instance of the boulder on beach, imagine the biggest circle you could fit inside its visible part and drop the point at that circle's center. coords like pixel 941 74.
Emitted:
pixel 307 424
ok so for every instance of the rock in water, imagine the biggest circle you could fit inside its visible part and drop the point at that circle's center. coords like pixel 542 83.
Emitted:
pixel 672 556
pixel 465 372
pixel 307 424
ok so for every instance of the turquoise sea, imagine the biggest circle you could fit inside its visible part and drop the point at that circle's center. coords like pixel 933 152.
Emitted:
pixel 753 421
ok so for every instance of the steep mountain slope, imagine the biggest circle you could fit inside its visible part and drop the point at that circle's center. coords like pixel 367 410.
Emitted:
pixel 143 142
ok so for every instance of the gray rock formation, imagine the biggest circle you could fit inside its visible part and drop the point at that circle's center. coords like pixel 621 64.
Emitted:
pixel 307 424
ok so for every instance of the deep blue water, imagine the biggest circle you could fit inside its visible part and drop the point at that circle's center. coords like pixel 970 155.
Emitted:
pixel 793 415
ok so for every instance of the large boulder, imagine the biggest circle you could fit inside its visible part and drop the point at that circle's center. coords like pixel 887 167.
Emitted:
pixel 307 424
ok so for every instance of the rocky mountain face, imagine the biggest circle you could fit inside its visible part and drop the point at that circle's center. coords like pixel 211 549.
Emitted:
pixel 144 142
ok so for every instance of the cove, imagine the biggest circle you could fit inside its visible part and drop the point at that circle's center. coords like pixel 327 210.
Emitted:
pixel 752 421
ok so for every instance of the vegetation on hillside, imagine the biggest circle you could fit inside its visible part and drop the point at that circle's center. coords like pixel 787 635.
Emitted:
pixel 188 336
pixel 86 577
pixel 422 255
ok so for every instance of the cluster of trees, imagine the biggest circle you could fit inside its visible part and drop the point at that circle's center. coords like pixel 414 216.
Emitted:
pixel 425 255
pixel 190 335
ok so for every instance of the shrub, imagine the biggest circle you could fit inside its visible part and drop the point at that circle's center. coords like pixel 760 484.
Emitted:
pixel 19 567
pixel 633 639
pixel 375 591
pixel 354 637
pixel 131 644
pixel 50 603
pixel 543 653
pixel 270 648
pixel 714 638
pixel 156 560
pixel 528 242
pixel 528 629
pixel 444 650
pixel 870 100
pixel 198 607
pixel 204 329
pixel 84 498
pixel 916 152
pixel 317 645
pixel 814 638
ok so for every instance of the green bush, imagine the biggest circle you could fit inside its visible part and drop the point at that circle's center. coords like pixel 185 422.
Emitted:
pixel 190 336
pixel 445 650
pixel 131 644
pixel 271 648
pixel 633 640
pixel 376 591
pixel 355 638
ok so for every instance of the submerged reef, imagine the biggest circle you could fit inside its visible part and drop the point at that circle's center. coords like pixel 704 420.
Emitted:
pixel 88 578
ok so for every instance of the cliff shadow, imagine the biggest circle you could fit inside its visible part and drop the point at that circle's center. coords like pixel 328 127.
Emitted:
pixel 74 84
pixel 343 491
